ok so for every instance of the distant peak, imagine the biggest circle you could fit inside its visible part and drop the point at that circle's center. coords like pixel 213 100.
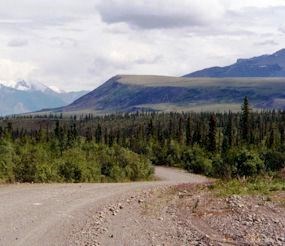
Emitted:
pixel 118 76
pixel 23 85
pixel 280 52
pixel 269 65
pixel 56 89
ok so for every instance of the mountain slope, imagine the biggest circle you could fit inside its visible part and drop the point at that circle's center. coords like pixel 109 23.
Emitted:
pixel 260 78
pixel 129 93
pixel 261 66
pixel 22 97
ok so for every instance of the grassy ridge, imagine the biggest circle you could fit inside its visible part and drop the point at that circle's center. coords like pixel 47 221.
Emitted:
pixel 155 81
pixel 130 93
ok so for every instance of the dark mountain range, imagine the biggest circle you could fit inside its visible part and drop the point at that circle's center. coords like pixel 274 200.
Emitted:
pixel 129 93
pixel 261 66
pixel 261 78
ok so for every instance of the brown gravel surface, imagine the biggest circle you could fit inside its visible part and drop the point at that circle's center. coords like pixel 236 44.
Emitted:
pixel 77 214
pixel 179 209
pixel 189 215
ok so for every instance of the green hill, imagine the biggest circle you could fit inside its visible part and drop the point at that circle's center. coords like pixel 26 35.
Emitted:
pixel 129 93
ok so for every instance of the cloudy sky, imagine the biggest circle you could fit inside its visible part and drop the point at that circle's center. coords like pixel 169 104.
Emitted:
pixel 78 45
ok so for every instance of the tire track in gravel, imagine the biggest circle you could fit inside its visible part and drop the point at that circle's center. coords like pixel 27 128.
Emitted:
pixel 44 214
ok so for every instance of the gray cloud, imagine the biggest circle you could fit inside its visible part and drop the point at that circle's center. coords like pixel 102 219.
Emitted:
pixel 18 43
pixel 282 29
pixel 267 42
pixel 151 21
pixel 257 16
pixel 64 42
pixel 149 60
pixel 159 14
pixel 102 64
pixel 32 14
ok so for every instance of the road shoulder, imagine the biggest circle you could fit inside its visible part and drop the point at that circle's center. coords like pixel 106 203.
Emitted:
pixel 185 214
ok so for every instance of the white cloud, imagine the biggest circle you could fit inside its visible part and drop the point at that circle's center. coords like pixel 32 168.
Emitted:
pixel 240 4
pixel 11 70
pixel 79 44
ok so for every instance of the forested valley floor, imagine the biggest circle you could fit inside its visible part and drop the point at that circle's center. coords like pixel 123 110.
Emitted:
pixel 124 147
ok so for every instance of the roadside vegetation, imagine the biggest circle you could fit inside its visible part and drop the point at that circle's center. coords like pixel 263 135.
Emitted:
pixel 124 147
pixel 30 160
pixel 262 185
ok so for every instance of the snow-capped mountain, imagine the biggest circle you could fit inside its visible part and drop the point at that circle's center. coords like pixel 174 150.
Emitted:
pixel 29 86
pixel 56 89
pixel 26 96
pixel 23 85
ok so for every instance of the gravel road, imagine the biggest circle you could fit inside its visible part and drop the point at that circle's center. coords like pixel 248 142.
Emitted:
pixel 45 214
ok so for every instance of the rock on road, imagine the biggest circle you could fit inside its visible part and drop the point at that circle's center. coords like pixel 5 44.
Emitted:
pixel 42 214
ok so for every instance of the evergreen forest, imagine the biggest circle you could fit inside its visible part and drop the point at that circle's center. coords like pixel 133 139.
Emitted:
pixel 126 147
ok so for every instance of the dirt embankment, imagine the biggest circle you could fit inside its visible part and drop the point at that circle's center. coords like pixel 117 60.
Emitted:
pixel 186 215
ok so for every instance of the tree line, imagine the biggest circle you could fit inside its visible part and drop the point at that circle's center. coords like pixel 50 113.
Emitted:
pixel 226 145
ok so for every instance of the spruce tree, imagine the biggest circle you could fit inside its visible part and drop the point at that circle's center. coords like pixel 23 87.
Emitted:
pixel 98 133
pixel 282 134
pixel 180 131
pixel 229 130
pixel 245 121
pixel 271 139
pixel 188 132
pixel 149 130
pixel 212 145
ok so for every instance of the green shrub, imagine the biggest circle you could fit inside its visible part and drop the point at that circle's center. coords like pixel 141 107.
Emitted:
pixel 173 154
pixel 220 168
pixel 34 163
pixel 29 161
pixel 157 153
pixel 7 160
pixel 70 172
pixel 26 168
pixel 274 160
pixel 72 166
pixel 133 166
pixel 46 173
pixel 195 160
pixel 119 164
pixel 248 163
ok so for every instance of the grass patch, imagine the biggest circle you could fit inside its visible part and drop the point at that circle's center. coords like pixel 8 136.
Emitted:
pixel 250 186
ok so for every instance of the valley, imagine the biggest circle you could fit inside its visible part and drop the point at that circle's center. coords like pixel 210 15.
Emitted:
pixel 142 123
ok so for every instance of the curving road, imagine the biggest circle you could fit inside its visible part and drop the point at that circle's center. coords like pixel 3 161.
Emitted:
pixel 43 214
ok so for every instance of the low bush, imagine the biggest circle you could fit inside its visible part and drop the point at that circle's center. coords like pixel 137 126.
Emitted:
pixel 248 163
pixel 273 160
pixel 195 160
pixel 88 162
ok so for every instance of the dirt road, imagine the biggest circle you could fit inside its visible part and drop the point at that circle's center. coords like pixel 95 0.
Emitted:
pixel 44 214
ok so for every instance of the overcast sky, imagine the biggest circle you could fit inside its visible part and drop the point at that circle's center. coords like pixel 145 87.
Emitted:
pixel 78 44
